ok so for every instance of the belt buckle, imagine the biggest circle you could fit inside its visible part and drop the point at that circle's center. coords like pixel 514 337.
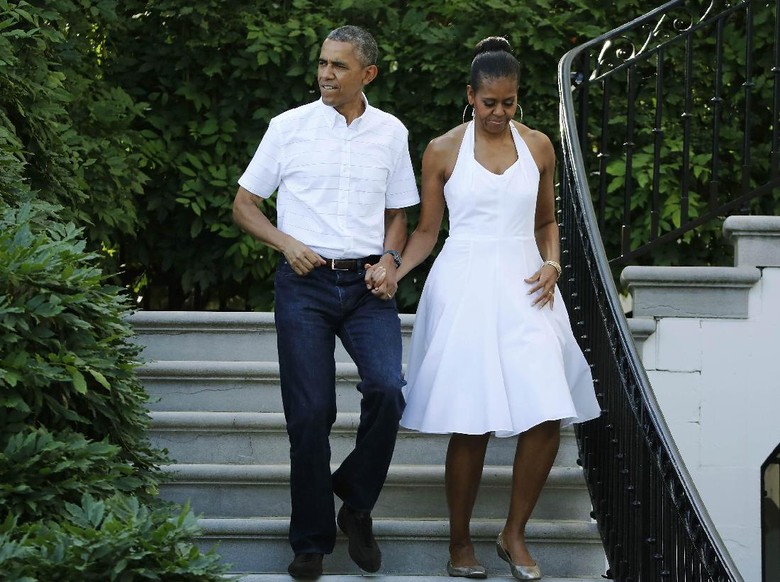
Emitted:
pixel 333 266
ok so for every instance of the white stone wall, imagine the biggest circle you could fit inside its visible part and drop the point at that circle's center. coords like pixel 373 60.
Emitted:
pixel 718 384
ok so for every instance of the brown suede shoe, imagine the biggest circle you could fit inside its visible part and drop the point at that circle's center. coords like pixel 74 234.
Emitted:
pixel 363 548
pixel 306 566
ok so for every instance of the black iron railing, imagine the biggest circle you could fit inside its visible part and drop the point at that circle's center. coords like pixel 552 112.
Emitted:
pixel 770 517
pixel 678 116
pixel 630 125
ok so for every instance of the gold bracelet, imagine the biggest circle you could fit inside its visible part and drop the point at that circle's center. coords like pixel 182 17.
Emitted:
pixel 555 265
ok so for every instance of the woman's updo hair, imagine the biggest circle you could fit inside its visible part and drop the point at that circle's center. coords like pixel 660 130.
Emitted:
pixel 493 59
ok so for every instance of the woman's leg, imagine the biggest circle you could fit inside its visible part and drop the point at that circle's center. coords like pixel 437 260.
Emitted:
pixel 463 472
pixel 534 457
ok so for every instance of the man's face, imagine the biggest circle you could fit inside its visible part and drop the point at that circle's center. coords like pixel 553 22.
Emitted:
pixel 340 75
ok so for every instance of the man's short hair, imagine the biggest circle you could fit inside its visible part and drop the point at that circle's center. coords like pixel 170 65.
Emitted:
pixel 365 45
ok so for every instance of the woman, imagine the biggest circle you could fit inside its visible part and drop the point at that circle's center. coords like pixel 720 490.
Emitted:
pixel 492 349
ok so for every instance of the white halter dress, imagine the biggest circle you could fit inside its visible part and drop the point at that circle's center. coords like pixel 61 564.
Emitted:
pixel 482 358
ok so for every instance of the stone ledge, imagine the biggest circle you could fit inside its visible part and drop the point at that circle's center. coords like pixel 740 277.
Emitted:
pixel 399 474
pixel 700 292
pixel 251 371
pixel 641 328
pixel 756 240
pixel 586 532
pixel 210 321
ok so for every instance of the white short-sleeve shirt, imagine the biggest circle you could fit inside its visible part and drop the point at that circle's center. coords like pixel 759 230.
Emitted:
pixel 334 181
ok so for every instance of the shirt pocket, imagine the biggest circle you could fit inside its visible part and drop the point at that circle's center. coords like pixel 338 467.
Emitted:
pixel 371 185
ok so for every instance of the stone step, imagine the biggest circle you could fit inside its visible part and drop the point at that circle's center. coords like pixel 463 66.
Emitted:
pixel 693 292
pixel 201 337
pixel 564 549
pixel 247 438
pixel 219 336
pixel 231 386
pixel 407 578
pixel 234 491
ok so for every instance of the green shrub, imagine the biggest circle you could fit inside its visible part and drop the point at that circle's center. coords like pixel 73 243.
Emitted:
pixel 77 472
pixel 68 360
pixel 43 470
pixel 117 539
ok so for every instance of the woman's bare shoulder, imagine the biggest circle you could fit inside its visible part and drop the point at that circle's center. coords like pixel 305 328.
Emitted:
pixel 450 140
pixel 443 150
pixel 531 135
pixel 538 142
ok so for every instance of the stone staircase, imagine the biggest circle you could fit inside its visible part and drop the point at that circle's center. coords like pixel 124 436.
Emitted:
pixel 216 407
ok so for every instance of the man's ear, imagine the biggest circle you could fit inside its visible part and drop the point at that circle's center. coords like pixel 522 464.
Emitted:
pixel 369 74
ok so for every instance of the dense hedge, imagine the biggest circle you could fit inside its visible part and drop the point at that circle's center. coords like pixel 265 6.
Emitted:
pixel 114 539
pixel 67 361
pixel 78 477
pixel 214 77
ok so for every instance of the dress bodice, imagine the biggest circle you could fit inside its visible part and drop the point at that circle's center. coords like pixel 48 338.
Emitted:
pixel 483 204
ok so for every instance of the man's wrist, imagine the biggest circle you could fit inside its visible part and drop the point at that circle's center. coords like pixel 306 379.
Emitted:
pixel 395 255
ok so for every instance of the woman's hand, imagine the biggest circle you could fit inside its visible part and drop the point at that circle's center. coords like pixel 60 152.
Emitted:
pixel 543 284
pixel 380 282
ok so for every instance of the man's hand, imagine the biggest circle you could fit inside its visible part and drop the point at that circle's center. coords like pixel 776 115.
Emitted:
pixel 252 220
pixel 300 257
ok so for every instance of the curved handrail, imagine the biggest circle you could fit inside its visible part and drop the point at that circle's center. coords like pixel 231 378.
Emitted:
pixel 656 490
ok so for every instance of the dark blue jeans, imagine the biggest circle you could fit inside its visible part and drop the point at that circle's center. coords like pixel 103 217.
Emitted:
pixel 311 312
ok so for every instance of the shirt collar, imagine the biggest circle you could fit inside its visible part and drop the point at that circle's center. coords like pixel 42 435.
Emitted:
pixel 334 116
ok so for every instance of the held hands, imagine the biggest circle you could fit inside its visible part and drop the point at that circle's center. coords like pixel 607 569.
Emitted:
pixel 543 283
pixel 381 280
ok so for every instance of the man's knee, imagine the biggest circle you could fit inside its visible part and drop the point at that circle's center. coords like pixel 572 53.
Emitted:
pixel 310 420
pixel 382 382
pixel 384 391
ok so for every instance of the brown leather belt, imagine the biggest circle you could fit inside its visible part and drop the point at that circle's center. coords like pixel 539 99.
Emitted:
pixel 351 264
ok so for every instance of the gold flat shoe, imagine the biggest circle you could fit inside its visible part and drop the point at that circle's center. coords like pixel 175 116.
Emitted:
pixel 518 571
pixel 477 571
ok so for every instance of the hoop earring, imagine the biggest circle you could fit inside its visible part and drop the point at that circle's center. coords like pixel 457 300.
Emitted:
pixel 520 107
pixel 465 109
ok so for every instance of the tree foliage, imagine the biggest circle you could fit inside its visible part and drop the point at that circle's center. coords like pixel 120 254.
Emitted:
pixel 62 124
pixel 213 78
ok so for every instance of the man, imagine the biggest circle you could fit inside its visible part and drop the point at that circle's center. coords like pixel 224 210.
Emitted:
pixel 344 177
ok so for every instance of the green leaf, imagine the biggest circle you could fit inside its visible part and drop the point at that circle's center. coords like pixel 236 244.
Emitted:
pixel 79 383
pixel 100 378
